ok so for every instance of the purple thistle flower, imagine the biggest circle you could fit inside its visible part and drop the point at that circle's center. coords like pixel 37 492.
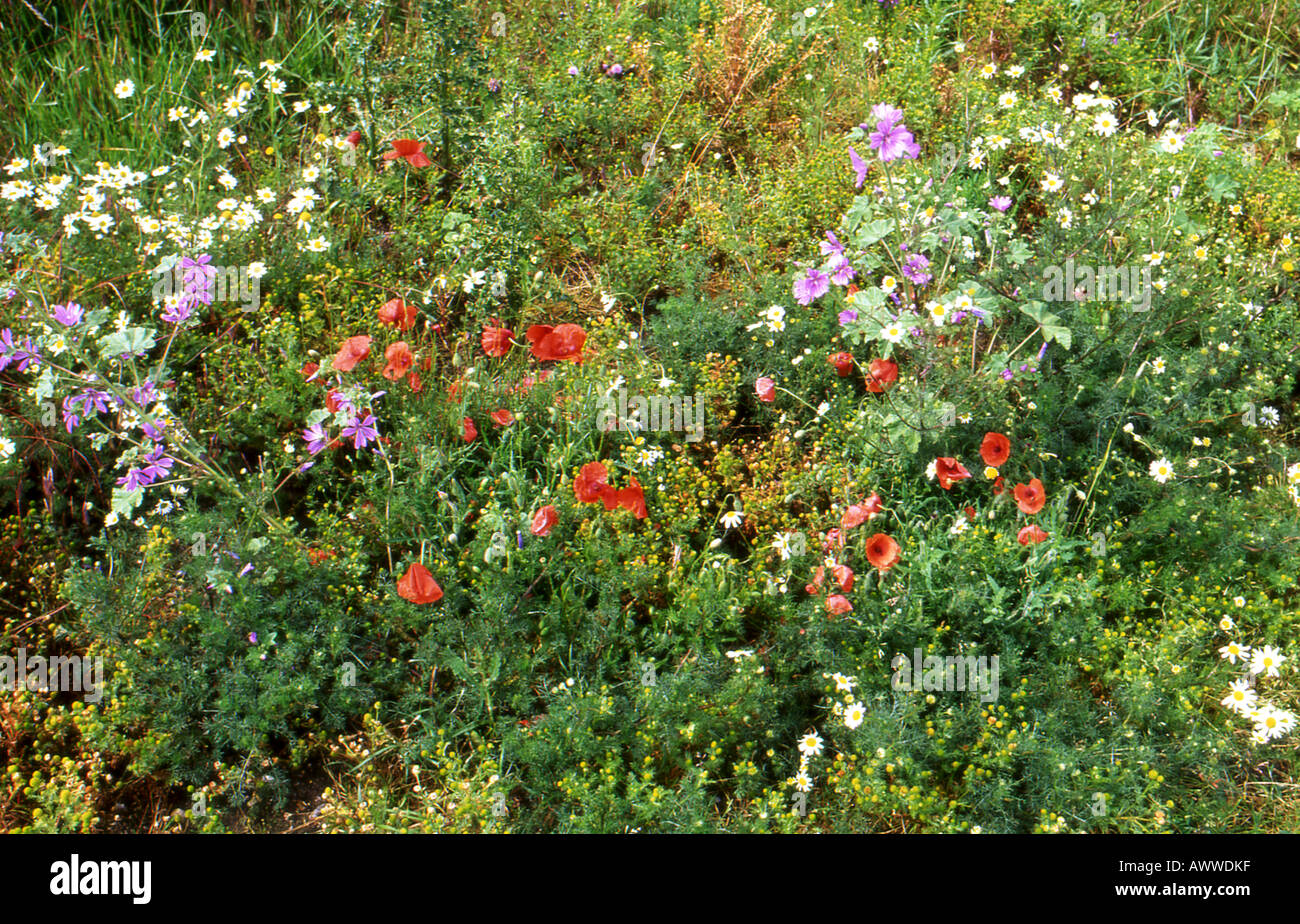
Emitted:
pixel 811 287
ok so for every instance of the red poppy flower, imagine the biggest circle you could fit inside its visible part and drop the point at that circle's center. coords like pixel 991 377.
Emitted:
pixel 410 151
pixel 1000 485
pixel 632 499
pixel 397 313
pixel 332 401
pixel 948 470
pixel 815 588
pixel 591 483
pixel 399 358
pixel 882 552
pixel 765 388
pixel 309 370
pixel 843 577
pixel 843 363
pixel 354 138
pixel 995 450
pixel 414 381
pixel 1030 533
pixel 559 343
pixel 471 431
pixel 502 418
pixel 834 538
pixel 851 290
pixel 838 605
pixel 1030 497
pixel 418 585
pixel 880 373
pixel 353 350
pixel 544 521
pixel 496 340
pixel 970 513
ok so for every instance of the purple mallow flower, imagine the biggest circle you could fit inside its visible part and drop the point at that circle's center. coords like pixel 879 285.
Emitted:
pixel 811 287
pixel 884 112
pixel 915 269
pixel 847 316
pixel 831 245
pixel 891 139
pixel 12 353
pixel 68 315
pixel 157 464
pixel 179 312
pixel 859 167
pixel 842 272
pixel 363 432
pixel 316 438
pixel 1001 203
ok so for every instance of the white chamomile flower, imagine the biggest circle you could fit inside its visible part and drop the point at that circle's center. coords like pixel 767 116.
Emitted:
pixel 854 713
pixel 1232 651
pixel 1240 698
pixel 1161 470
pixel 1266 660
pixel 893 332
pixel 810 745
